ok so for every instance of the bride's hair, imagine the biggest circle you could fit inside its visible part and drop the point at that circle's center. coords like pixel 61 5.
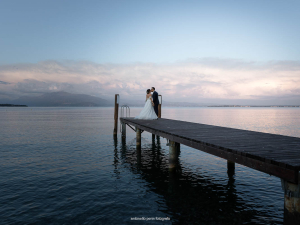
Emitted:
pixel 148 91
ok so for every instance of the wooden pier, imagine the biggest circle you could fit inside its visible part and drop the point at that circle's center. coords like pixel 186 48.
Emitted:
pixel 276 155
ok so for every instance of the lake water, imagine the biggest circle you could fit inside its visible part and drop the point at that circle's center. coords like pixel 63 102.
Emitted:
pixel 63 166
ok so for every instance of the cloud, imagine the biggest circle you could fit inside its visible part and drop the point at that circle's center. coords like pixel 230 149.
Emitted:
pixel 35 86
pixel 191 80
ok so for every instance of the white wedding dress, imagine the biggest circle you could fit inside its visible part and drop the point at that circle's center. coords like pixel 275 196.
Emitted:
pixel 148 112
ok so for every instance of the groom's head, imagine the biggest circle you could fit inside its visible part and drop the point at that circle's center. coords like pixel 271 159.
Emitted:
pixel 152 89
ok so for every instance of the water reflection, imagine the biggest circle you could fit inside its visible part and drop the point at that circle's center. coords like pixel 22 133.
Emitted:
pixel 190 198
pixel 116 157
pixel 138 156
pixel 123 148
pixel 230 169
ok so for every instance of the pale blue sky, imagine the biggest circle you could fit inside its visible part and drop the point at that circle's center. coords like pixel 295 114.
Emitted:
pixel 124 31
pixel 213 51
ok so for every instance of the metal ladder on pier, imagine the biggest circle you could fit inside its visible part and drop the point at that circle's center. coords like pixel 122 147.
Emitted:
pixel 125 112
pixel 125 109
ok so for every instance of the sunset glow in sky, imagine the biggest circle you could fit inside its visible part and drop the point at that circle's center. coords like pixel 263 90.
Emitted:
pixel 231 52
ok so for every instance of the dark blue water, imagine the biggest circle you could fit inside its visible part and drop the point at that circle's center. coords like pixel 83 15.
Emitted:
pixel 63 166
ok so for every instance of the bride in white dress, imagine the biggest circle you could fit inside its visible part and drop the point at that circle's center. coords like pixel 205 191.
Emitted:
pixel 148 112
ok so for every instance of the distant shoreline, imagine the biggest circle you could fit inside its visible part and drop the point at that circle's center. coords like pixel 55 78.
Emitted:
pixel 254 106
pixel 11 105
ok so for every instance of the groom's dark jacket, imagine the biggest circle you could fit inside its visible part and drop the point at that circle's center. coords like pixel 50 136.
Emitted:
pixel 155 98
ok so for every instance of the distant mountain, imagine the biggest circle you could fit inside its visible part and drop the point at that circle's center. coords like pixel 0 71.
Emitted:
pixel 61 99
pixel 183 104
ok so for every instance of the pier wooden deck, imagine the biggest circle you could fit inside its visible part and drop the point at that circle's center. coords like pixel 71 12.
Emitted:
pixel 276 155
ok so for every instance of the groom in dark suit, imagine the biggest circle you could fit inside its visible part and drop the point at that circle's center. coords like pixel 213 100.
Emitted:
pixel 155 100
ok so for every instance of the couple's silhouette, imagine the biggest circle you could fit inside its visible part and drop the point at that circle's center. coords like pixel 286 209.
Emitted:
pixel 150 110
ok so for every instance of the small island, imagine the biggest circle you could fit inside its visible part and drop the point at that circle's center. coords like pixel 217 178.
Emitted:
pixel 11 105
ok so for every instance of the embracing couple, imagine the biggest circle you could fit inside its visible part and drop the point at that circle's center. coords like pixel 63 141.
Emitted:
pixel 150 110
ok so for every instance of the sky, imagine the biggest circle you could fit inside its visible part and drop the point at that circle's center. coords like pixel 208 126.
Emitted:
pixel 225 52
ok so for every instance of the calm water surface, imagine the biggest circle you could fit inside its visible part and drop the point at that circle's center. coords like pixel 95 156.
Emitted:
pixel 63 166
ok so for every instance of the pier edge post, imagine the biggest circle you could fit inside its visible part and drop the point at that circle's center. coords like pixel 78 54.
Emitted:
pixel 291 202
pixel 116 116
pixel 174 149
pixel 159 106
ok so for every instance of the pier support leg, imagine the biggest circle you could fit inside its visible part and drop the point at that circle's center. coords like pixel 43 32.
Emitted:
pixel 230 168
pixel 123 130
pixel 153 137
pixel 291 202
pixel 174 149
